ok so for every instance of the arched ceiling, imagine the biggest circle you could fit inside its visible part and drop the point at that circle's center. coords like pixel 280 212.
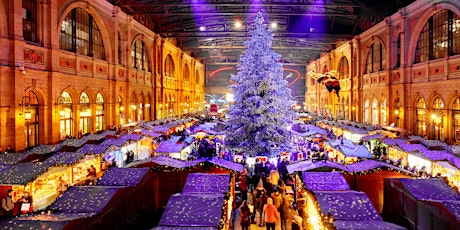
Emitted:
pixel 305 28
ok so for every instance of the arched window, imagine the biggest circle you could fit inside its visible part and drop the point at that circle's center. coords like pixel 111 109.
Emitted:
pixel 120 49
pixel 99 112
pixel 375 112
pixel 366 111
pixel 343 68
pixel 80 34
pixel 375 58
pixel 29 20
pixel 383 112
pixel 456 119
pixel 439 37
pixel 398 52
pixel 169 67
pixel 65 115
pixel 85 114
pixel 437 117
pixel 140 56
pixel 197 77
pixel 186 73
pixel 421 115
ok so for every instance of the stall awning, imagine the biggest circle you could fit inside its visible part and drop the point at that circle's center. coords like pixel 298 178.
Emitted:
pixel 122 177
pixel 366 165
pixel 65 158
pixel 429 189
pixel 173 145
pixel 373 137
pixel 207 183
pixel 175 163
pixel 23 173
pixel 325 181
pixel 359 151
pixel 315 166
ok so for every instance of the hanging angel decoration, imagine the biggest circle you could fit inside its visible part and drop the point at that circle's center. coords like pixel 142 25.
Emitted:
pixel 329 79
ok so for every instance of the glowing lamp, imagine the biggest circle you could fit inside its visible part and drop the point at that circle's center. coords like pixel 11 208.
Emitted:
pixel 28 115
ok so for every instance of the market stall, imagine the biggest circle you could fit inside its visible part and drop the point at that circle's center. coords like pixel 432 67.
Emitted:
pixel 205 201
pixel 80 164
pixel 343 210
pixel 12 158
pixel 141 193
pixel 368 177
pixel 319 166
pixel 445 169
pixel 347 152
pixel 405 210
pixel 325 181
pixel 39 180
pixel 174 147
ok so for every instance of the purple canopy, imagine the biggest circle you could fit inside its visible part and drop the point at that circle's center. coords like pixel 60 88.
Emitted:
pixel 193 210
pixel 325 181
pixel 4 167
pixel 131 137
pixel 226 164
pixel 65 158
pixel 150 133
pixel 359 151
pixel 22 173
pixel 206 183
pixel 87 199
pixel 95 148
pixel 436 155
pixel 373 136
pixel 175 163
pixel 347 205
pixel 310 166
pixel 122 177
pixel 17 224
pixel 412 147
pixel 429 189
pixel 390 141
pixel 171 146
pixel 365 225
pixel 453 207
pixel 12 158
pixel 366 165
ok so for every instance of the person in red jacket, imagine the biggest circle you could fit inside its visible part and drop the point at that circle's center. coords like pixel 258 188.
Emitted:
pixel 271 214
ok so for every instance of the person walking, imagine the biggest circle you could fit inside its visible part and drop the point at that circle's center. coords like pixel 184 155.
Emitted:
pixel 245 214
pixel 271 214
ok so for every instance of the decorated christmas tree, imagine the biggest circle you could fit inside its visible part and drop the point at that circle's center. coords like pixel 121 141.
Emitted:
pixel 262 112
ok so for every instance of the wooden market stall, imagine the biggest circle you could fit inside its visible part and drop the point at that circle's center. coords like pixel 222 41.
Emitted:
pixel 205 202
pixel 79 163
pixel 343 210
pixel 406 203
pixel 368 176
pixel 39 180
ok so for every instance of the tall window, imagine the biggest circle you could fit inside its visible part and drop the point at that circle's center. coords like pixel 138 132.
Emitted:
pixel 120 49
pixel 375 112
pixel 439 36
pixel 456 119
pixel 398 52
pixel 65 115
pixel 169 66
pixel 29 20
pixel 375 58
pixel 80 34
pixel 366 111
pixel 186 73
pixel 140 56
pixel 421 117
pixel 85 114
pixel 99 112
pixel 31 115
pixel 343 68
pixel 121 108
pixel 383 112
pixel 197 77
pixel 437 118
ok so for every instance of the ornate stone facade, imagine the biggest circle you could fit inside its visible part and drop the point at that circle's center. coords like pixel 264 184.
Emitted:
pixel 49 92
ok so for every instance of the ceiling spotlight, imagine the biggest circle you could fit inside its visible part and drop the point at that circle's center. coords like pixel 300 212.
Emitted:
pixel 238 24
pixel 273 25
pixel 202 28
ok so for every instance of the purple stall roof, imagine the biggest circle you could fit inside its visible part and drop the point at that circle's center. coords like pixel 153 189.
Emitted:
pixel 65 158
pixel 12 158
pixel 193 210
pixel 347 205
pixel 453 207
pixel 23 173
pixel 325 181
pixel 226 164
pixel 429 189
pixel 84 199
pixel 122 177
pixel 366 165
pixel 365 225
pixel 310 166
pixel 206 183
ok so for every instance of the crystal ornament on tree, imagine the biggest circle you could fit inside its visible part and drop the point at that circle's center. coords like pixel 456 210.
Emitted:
pixel 262 112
